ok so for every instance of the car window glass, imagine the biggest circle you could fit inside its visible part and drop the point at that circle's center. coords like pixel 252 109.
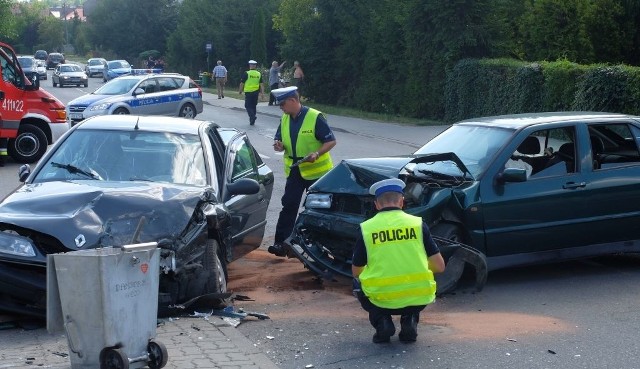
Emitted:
pixel 149 86
pixel 613 145
pixel 474 145
pixel 244 165
pixel 544 153
pixel 117 86
pixel 9 72
pixel 123 156
pixel 167 84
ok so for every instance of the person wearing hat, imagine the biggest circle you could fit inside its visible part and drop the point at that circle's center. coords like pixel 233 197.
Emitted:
pixel 252 86
pixel 306 139
pixel 394 259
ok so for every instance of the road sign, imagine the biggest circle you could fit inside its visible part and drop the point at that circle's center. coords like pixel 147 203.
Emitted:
pixel 209 47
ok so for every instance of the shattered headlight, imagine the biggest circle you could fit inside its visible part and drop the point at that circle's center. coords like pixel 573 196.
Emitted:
pixel 318 201
pixel 16 245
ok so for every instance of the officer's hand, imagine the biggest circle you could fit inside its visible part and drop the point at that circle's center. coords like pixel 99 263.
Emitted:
pixel 313 157
pixel 278 146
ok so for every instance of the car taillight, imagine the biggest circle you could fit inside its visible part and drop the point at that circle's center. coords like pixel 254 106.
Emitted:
pixel 200 91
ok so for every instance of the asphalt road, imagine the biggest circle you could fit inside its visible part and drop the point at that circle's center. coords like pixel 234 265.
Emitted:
pixel 581 314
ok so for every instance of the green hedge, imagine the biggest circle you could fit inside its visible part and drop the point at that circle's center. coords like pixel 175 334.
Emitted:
pixel 481 87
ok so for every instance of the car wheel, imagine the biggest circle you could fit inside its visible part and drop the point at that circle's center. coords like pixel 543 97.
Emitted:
pixel 216 269
pixel 188 111
pixel 121 111
pixel 450 239
pixel 29 146
pixel 86 84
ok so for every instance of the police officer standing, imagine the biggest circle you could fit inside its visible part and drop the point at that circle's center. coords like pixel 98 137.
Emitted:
pixel 393 264
pixel 252 86
pixel 305 138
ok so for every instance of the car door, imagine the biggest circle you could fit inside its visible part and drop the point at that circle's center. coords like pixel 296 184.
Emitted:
pixel 248 212
pixel 613 185
pixel 169 96
pixel 147 102
pixel 542 212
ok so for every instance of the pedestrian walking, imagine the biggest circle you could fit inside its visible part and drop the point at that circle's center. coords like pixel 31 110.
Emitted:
pixel 252 86
pixel 394 259
pixel 220 74
pixel 274 78
pixel 306 139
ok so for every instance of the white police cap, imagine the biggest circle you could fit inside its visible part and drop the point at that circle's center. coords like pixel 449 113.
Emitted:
pixel 386 185
pixel 253 61
pixel 281 94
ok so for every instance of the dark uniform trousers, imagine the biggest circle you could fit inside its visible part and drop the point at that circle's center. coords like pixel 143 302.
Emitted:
pixel 250 103
pixel 272 98
pixel 377 313
pixel 293 190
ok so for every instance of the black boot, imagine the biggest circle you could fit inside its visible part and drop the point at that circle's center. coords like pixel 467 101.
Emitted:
pixel 278 249
pixel 408 328
pixel 384 330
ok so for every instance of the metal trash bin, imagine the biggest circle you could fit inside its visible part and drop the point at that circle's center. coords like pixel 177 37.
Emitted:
pixel 106 301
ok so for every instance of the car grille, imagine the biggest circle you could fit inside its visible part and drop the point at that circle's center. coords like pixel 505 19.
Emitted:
pixel 352 204
pixel 76 108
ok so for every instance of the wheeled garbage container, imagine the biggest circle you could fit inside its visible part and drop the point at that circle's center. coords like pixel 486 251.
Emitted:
pixel 106 301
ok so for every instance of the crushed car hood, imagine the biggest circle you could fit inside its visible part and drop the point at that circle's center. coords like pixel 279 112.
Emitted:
pixel 89 214
pixel 362 173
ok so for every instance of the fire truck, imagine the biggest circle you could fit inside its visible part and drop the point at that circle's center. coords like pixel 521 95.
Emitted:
pixel 30 117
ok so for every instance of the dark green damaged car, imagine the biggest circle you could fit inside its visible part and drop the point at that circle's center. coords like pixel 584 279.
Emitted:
pixel 497 192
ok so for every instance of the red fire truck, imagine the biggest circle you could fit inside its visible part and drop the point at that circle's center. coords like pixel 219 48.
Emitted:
pixel 30 117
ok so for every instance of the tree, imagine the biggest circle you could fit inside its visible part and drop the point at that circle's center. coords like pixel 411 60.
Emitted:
pixel 51 34
pixel 258 39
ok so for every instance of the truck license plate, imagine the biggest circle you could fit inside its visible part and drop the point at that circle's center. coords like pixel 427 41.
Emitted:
pixel 75 115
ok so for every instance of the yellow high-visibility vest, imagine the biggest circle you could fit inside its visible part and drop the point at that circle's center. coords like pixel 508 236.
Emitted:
pixel 252 83
pixel 306 143
pixel 397 273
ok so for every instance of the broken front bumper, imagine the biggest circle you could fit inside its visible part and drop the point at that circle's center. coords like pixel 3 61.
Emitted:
pixel 324 243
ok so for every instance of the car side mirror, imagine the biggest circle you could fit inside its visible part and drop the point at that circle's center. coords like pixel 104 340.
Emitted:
pixel 244 186
pixel 512 175
pixel 138 91
pixel 23 172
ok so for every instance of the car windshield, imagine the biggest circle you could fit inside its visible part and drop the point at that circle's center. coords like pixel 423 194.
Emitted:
pixel 70 68
pixel 25 62
pixel 95 62
pixel 111 155
pixel 474 145
pixel 117 86
pixel 118 64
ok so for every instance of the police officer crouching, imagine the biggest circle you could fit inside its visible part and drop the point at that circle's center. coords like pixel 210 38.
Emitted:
pixel 393 264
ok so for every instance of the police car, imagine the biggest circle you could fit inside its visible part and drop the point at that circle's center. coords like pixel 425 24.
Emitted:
pixel 169 94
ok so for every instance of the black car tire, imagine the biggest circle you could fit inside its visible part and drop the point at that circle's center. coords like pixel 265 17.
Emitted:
pixel 29 146
pixel 450 231
pixel 86 84
pixel 188 111
pixel 120 111
pixel 217 279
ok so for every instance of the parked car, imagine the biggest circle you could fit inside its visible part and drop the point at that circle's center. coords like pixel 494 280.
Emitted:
pixel 150 94
pixel 69 74
pixel 199 190
pixel 518 189
pixel 41 67
pixel 41 55
pixel 53 59
pixel 29 66
pixel 95 66
pixel 114 69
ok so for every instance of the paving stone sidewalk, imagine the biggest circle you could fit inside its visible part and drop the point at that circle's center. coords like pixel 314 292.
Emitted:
pixel 192 342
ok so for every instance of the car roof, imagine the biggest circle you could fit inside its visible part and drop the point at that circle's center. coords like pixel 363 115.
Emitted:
pixel 144 123
pixel 515 121
pixel 150 75
pixel 68 65
pixel 54 54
